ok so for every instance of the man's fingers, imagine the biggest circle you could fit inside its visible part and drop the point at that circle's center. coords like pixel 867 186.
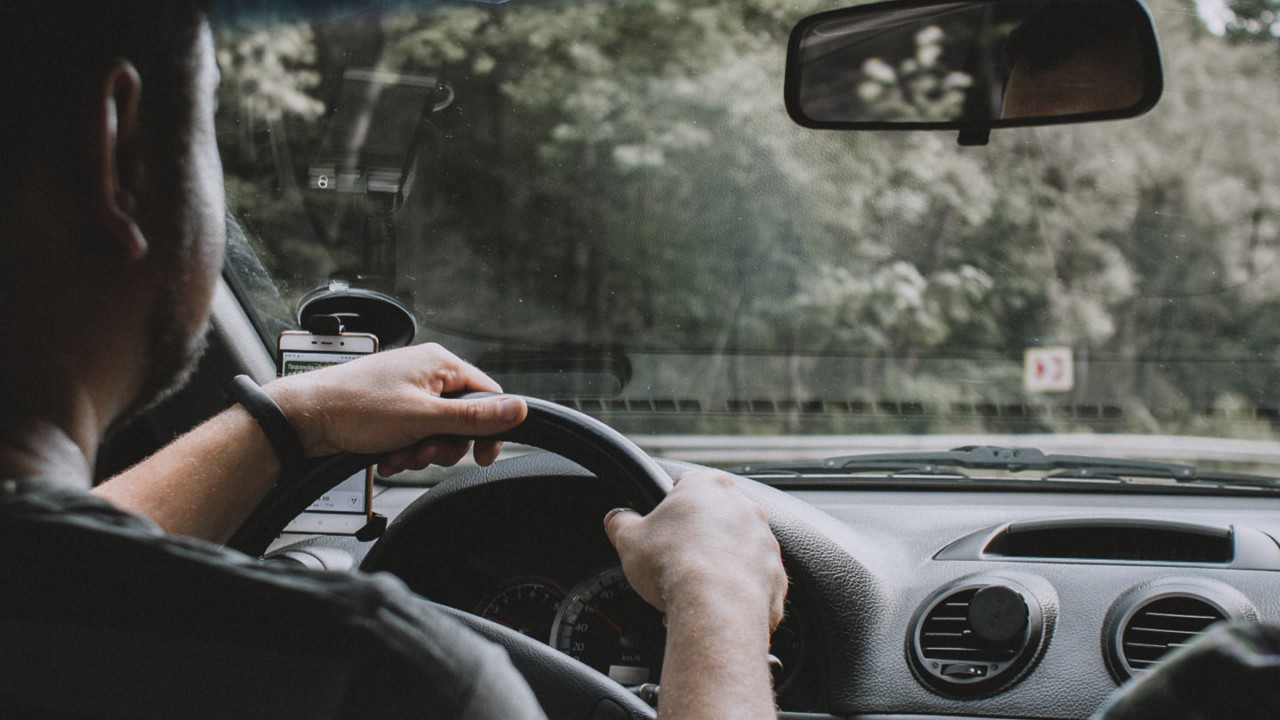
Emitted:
pixel 486 452
pixel 477 417
pixel 618 520
pixel 448 426
pixel 449 451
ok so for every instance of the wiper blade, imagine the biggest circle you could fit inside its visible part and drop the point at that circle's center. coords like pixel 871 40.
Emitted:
pixel 1012 460
pixel 989 457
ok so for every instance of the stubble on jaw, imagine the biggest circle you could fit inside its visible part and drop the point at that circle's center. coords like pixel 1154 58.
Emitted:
pixel 173 354
pixel 177 326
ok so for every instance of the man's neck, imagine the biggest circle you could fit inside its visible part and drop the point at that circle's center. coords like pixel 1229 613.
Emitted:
pixel 43 449
pixel 53 419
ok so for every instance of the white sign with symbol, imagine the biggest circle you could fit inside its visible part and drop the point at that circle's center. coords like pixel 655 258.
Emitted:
pixel 1048 369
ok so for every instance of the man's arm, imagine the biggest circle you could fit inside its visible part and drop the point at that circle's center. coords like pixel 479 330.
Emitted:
pixel 206 483
pixel 706 558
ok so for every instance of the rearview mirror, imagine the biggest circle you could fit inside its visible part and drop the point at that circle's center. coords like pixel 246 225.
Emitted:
pixel 972 65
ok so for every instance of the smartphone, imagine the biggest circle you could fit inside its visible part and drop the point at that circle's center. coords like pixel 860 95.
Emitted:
pixel 348 507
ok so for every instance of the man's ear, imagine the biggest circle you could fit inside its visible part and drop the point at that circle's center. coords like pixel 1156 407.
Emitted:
pixel 119 172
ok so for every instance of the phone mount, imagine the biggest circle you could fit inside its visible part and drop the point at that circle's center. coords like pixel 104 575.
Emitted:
pixel 339 308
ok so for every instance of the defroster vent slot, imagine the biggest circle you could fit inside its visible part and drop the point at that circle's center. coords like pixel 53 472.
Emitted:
pixel 1114 540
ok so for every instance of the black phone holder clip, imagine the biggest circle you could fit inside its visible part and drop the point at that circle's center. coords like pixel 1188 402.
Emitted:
pixel 373 529
pixel 325 325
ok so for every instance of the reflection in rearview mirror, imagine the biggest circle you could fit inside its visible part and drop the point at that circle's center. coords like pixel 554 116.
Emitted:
pixel 972 65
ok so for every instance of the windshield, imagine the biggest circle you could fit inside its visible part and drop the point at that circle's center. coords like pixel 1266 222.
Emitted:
pixel 604 203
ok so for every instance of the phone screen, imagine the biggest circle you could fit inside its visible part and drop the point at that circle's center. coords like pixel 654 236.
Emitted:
pixel 351 496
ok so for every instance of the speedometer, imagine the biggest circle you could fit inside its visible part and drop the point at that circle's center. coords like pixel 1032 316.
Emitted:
pixel 606 625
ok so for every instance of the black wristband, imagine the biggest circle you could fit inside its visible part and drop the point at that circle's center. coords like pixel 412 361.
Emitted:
pixel 279 431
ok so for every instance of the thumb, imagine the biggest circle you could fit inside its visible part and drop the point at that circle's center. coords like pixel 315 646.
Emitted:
pixel 617 521
pixel 481 417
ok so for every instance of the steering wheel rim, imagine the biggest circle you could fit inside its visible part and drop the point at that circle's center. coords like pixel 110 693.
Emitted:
pixel 558 429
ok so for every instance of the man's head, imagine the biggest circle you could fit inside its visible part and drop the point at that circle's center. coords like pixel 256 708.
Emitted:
pixel 1074 58
pixel 111 205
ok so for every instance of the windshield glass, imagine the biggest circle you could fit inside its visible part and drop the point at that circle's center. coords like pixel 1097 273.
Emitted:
pixel 604 203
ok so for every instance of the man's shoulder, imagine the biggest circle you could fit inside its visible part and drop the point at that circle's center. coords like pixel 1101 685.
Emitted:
pixel 95 562
pixel 59 538
pixel 97 592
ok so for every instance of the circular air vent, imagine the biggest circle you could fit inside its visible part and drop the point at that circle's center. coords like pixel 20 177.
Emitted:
pixel 1163 625
pixel 1147 625
pixel 976 639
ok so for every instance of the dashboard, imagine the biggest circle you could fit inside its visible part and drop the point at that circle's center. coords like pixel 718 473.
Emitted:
pixel 955 602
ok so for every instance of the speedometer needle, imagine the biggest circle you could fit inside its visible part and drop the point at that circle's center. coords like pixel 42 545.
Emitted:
pixel 608 620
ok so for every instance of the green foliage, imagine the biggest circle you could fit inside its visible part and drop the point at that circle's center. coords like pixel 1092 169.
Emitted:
pixel 921 88
pixel 624 173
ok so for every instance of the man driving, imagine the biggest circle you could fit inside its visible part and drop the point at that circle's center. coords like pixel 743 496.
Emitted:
pixel 119 602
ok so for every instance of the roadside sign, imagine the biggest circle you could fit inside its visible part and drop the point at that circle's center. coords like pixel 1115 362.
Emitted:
pixel 1048 369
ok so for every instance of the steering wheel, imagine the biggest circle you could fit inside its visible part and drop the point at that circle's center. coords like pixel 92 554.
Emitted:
pixel 564 687
pixel 558 429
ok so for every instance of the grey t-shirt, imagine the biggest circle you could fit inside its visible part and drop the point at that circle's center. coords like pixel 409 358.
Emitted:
pixel 103 615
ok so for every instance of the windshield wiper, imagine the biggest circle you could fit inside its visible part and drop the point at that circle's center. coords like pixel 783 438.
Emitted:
pixel 950 463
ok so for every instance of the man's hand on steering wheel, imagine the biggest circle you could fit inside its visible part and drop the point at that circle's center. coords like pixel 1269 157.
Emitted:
pixel 391 402
pixel 706 536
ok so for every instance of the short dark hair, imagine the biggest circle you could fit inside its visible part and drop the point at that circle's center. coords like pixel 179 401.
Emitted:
pixel 53 51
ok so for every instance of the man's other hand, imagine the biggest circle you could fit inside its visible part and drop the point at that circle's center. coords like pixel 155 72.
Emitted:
pixel 705 542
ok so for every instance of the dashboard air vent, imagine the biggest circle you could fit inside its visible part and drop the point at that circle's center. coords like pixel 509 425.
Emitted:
pixel 1162 625
pixel 948 634
pixel 974 640
pixel 1150 619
